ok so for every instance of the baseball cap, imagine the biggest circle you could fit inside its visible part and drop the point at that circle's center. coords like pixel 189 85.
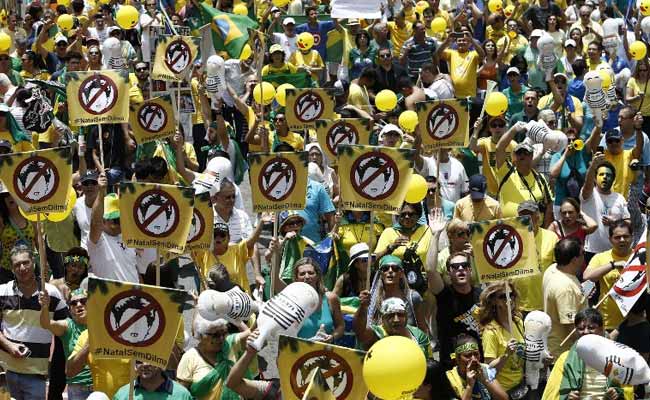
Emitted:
pixel 570 42
pixel 275 48
pixel 111 206
pixel 390 128
pixel 560 75
pixel 527 205
pixel 5 144
pixel 392 305
pixel 513 69
pixel 60 38
pixel 220 227
pixel 89 176
pixel 524 146
pixel 390 260
pixel 477 187
pixel 286 216
pixel 289 20
pixel 112 29
pixel 613 134
pixel 536 33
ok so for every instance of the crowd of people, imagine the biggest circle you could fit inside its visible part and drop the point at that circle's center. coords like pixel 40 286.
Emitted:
pixel 585 201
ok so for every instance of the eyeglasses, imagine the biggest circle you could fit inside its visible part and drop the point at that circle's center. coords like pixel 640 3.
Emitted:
pixel 408 214
pixel 95 53
pixel 497 125
pixel 455 266
pixel 384 56
pixel 77 302
pixel 502 296
pixel 613 140
pixel 392 267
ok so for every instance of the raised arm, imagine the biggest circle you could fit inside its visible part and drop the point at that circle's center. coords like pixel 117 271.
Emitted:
pixel 638 125
pixel 590 176
pixel 504 141
pixel 177 144
pixel 473 140
pixel 97 217
pixel 363 332
pixel 437 224
pixel 591 144
pixel 57 328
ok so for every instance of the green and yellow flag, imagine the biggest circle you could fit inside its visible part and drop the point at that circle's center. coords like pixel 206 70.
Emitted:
pixel 128 320
pixel 332 133
pixel 318 388
pixel 341 369
pixel 200 234
pixel 156 216
pixel 443 123
pixel 39 181
pixel 305 106
pixel 278 181
pixel 98 97
pixel 174 57
pixel 338 46
pixel 153 119
pixel 374 178
pixel 504 249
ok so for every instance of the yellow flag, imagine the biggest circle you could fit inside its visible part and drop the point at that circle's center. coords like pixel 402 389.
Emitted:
pixel 444 123
pixel 374 178
pixel 98 97
pixel 318 388
pixel 128 320
pixel 331 133
pixel 278 181
pixel 200 234
pixel 153 119
pixel 156 216
pixel 305 106
pixel 341 368
pixel 504 249
pixel 174 57
pixel 39 180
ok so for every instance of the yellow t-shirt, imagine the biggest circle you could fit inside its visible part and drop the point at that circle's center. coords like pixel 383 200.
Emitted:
pixel 494 34
pixel 421 236
pixel 488 151
pixel 351 234
pixel 399 35
pixel 530 288
pixel 562 300
pixel 547 102
pixel 234 260
pixel 311 59
pixel 463 69
pixel 624 175
pixel 514 191
pixel 358 96
pixel 495 342
pixel 108 374
pixel 515 46
pixel 294 139
pixel 286 68
pixel 42 75
pixel 466 210
pixel 16 146
pixel 636 89
pixel 612 316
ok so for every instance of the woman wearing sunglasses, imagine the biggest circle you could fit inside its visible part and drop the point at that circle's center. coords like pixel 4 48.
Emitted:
pixel 407 232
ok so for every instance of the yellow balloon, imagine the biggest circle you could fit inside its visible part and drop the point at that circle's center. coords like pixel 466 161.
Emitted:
pixel 127 17
pixel 420 6
pixel 65 22
pixel 438 25
pixel 606 78
pixel 246 52
pixel 280 3
pixel 509 10
pixel 495 6
pixel 394 368
pixel 638 50
pixel 264 93
pixel 5 42
pixel 305 41
pixel 512 34
pixel 281 93
pixel 65 3
pixel 417 189
pixel 240 9
pixel 645 7
pixel 386 100
pixel 496 104
pixel 60 216
pixel 408 120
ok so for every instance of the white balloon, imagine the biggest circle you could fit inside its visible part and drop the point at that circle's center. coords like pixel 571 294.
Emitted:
pixel 610 26
pixel 614 360
pixel 537 327
pixel 645 25
pixel 538 132
pixel 232 305
pixel 215 81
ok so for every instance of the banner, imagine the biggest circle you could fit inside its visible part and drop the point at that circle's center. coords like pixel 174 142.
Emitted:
pixel 318 389
pixel 633 281
pixel 279 181
pixel 98 97
pixel 202 226
pixel 128 320
pixel 305 106
pixel 366 9
pixel 153 119
pixel 341 367
pixel 257 44
pixel 504 249
pixel 374 178
pixel 174 57
pixel 38 181
pixel 332 133
pixel 156 216
pixel 443 123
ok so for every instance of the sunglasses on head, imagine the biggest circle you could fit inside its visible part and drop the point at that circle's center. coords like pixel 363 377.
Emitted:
pixel 455 266
pixel 393 267
pixel 76 302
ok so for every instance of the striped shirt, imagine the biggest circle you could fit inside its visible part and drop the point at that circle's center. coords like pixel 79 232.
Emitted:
pixel 20 324
pixel 239 225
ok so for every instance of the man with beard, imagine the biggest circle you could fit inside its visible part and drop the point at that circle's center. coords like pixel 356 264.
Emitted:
pixel 152 383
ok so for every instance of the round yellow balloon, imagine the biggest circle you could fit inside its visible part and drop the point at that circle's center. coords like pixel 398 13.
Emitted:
pixel 240 9
pixel 638 50
pixel 264 93
pixel 394 368
pixel 606 78
pixel 496 104
pixel 281 93
pixel 246 52
pixel 509 10
pixel 65 3
pixel 495 6
pixel 408 120
pixel 420 6
pixel 65 22
pixel 127 17
pixel 60 216
pixel 5 42
pixel 438 25
pixel 417 189
pixel 280 3
pixel 386 100
pixel 305 41
pixel 512 34
pixel 644 7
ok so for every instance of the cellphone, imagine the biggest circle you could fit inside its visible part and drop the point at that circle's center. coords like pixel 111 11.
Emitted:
pixel 600 149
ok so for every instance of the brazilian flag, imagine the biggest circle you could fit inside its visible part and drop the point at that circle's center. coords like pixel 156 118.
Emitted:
pixel 298 80
pixel 229 31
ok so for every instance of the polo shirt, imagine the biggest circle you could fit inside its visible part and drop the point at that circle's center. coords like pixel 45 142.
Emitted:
pixel 167 390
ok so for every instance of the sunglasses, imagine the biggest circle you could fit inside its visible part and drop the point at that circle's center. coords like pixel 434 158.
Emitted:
pixel 77 302
pixel 141 69
pixel 392 267
pixel 408 214
pixel 89 183
pixel 384 56
pixel 613 140
pixel 455 266
pixel 498 125
pixel 502 296
pixel 279 119
pixel 94 53
pixel 431 191
pixel 115 221
pixel 4 58
pixel 295 222
pixel 643 70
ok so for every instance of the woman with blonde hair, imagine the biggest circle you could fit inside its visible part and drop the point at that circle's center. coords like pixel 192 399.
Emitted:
pixel 636 92
pixel 503 337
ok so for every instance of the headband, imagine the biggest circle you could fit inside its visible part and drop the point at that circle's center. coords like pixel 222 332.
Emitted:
pixel 466 347
pixel 75 259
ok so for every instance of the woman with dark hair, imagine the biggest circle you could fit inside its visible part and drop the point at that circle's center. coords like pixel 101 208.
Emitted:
pixel 491 68
pixel 361 56
pixel 409 233
pixel 576 35
pixel 572 222
pixel 558 35
pixel 32 67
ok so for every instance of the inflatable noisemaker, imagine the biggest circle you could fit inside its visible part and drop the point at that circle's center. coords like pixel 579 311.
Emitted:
pixel 215 81
pixel 538 132
pixel 594 94
pixel 537 327
pixel 615 360
pixel 232 305
pixel 577 145
pixel 547 57
pixel 112 51
pixel 285 312
pixel 611 39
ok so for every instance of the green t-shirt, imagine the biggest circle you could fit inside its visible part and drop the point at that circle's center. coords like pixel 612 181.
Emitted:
pixel 69 339
pixel 416 334
pixel 178 392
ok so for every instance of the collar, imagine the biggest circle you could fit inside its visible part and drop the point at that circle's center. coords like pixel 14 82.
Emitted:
pixel 166 387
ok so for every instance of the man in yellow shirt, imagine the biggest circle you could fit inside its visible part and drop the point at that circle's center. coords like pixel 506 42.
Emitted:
pixel 476 206
pixel 463 63
pixel 621 158
pixel 559 101
pixel 605 269
pixel 400 30
pixel 486 147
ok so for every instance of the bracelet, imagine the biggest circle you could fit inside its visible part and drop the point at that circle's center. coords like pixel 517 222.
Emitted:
pixel 612 265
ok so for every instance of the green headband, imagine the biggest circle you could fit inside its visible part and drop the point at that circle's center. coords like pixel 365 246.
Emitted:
pixel 75 259
pixel 466 347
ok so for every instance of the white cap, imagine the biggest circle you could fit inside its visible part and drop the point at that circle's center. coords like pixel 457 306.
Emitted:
pixel 513 69
pixel 390 128
pixel 536 33
pixel 570 42
pixel 561 75
pixel 289 20
pixel 220 167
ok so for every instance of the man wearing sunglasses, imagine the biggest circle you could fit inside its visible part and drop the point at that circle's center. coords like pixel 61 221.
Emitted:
pixel 388 71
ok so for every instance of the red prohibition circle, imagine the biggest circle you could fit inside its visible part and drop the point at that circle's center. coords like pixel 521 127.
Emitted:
pixel 449 114
pixel 201 221
pixel 343 367
pixel 153 303
pixel 388 164
pixel 142 225
pixel 152 108
pixel 185 50
pixel 103 87
pixel 21 176
pixel 639 287
pixel 510 232
pixel 331 138
pixel 265 190
pixel 314 99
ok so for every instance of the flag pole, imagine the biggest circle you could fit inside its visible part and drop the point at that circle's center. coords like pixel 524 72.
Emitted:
pixel 101 146
pixel 509 305
pixel 157 267
pixel 371 244
pixel 41 250
pixel 275 257
pixel 132 379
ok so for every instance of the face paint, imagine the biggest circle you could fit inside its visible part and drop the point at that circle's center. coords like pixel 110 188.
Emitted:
pixel 604 178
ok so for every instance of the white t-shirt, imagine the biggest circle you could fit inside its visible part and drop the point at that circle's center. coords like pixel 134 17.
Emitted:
pixel 596 206
pixel 82 214
pixel 440 89
pixel 453 178
pixel 111 259
pixel 239 225
pixel 288 43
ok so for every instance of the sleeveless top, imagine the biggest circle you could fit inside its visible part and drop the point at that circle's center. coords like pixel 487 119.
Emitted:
pixel 318 318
